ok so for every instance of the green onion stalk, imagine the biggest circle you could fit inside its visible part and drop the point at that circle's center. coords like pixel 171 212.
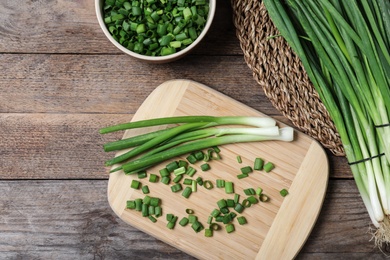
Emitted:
pixel 188 134
pixel 344 48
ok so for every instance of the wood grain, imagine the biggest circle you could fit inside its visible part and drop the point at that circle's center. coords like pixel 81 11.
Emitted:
pixel 49 83
pixel 45 220
pixel 71 27
pixel 60 81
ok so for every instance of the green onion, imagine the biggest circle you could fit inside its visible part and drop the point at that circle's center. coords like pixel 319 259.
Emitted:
pixel 224 120
pixel 242 220
pixel 183 222
pixel 205 167
pixel 284 192
pixel 258 165
pixel 208 232
pixel 190 171
pixel 269 166
pixel 130 204
pixel 177 187
pixel 229 187
pixel 229 228
pixel 153 178
pixel 222 203
pixel 138 204
pixel 187 192
pixel 153 219
pixel 208 184
pixel 246 170
pixel 145 189
pixel 166 180
pixel 135 184
pixel 142 175
pixel 239 160
pixel 344 48
pixel 220 183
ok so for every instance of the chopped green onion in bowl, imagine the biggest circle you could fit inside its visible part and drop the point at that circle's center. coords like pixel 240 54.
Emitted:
pixel 155 31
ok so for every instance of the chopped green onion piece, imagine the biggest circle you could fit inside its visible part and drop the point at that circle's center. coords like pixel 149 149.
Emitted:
pixel 241 220
pixel 205 167
pixel 230 203
pixel 225 210
pixel 187 192
pixel 146 200
pixel 259 191
pixel 183 222
pixel 135 184
pixel 194 186
pixel 177 178
pixel 177 187
pixel 183 163
pixel 246 170
pixel 249 191
pixel 164 172
pixel 215 213
pixel 222 203
pixel 169 217
pixel 264 198
pixel 199 155
pixel 214 226
pixel 242 175
pixel 239 208
pixel 269 166
pixel 187 181
pixel 153 219
pixel 284 192
pixel 171 224
pixel 166 180
pixel 236 198
pixel 154 201
pixel 192 218
pixel 191 171
pixel 208 184
pixel 157 211
pixel 145 210
pixel 229 188
pixel 180 170
pixel 239 160
pixel 191 158
pixel 208 232
pixel 258 165
pixel 172 166
pixel 145 189
pixel 190 211
pixel 220 183
pixel 229 228
pixel 138 204
pixel 151 210
pixel 130 204
pixel 153 178
pixel 197 226
pixel 142 175
pixel 246 203
pixel 252 199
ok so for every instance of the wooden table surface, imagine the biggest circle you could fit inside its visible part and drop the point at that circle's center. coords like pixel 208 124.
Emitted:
pixel 60 81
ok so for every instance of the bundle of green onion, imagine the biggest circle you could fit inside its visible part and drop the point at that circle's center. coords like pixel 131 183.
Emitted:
pixel 187 135
pixel 344 48
pixel 155 27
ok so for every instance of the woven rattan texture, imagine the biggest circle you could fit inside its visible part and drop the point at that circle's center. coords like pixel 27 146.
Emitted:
pixel 281 75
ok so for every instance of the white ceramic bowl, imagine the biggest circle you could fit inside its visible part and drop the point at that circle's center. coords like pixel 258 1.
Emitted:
pixel 155 59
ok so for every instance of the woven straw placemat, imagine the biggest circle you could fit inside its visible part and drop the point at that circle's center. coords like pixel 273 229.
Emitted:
pixel 281 75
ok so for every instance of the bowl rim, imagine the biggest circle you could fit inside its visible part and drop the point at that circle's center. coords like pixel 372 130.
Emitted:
pixel 210 18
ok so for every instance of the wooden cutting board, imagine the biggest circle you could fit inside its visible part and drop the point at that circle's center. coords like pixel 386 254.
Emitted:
pixel 276 229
